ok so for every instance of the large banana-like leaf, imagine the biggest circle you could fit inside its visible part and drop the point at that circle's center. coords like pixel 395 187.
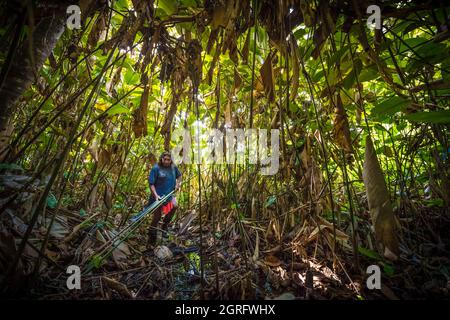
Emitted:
pixel 379 203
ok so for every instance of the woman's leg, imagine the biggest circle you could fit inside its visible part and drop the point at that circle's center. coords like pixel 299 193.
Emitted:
pixel 152 231
pixel 168 218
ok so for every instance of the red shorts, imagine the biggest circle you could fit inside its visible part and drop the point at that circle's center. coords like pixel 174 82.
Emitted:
pixel 169 206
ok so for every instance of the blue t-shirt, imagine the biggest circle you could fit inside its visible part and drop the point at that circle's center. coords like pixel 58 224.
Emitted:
pixel 164 179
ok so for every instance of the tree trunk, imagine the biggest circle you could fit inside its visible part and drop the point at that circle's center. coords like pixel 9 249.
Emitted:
pixel 25 66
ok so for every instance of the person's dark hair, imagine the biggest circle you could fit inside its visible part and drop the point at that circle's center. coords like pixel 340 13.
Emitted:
pixel 164 154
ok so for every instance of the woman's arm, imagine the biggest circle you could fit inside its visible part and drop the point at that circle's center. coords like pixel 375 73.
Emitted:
pixel 152 180
pixel 152 188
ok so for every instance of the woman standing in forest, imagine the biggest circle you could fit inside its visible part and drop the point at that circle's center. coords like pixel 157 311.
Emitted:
pixel 163 179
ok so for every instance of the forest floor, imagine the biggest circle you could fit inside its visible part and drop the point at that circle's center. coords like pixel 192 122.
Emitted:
pixel 358 118
pixel 298 266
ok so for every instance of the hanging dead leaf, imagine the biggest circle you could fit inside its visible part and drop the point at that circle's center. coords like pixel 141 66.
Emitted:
pixel 140 115
pixel 341 127
pixel 131 26
pixel 165 128
pixel 267 77
pixel 107 198
pixel 379 202
pixel 305 155
pixel 237 81
pixel 148 48
pixel 358 115
pixel 194 52
pixel 97 29
pixel 212 39
pixel 319 37
pixel 219 17
pixel 233 8
pixel 210 74
pixel 245 49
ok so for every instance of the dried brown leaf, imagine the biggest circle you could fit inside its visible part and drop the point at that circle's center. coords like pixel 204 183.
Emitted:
pixel 379 202
pixel 341 127
pixel 272 261
pixel 268 78
pixel 245 49
pixel 107 198
pixel 140 115
pixel 117 286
